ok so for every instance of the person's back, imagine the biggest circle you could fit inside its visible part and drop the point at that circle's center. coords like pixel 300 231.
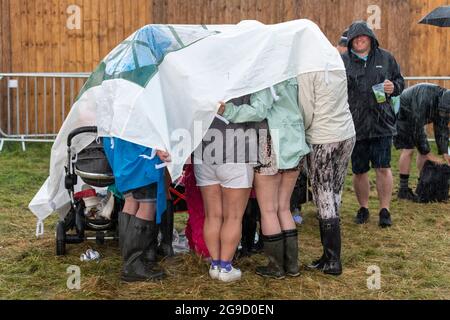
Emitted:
pixel 419 103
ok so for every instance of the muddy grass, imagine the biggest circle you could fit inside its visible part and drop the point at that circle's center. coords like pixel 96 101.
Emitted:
pixel 413 256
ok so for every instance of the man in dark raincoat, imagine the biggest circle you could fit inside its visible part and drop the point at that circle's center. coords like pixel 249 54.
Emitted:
pixel 368 65
pixel 420 105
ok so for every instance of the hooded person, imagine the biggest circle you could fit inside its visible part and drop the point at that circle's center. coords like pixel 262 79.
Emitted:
pixel 420 105
pixel 373 77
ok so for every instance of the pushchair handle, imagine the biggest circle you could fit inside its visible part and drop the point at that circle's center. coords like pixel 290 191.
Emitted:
pixel 79 131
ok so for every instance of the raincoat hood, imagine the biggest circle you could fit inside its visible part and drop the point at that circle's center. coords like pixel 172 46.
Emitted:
pixel 361 28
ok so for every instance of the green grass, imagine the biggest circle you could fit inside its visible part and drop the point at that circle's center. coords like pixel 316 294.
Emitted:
pixel 413 255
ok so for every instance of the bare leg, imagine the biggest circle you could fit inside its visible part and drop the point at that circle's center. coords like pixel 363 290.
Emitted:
pixel 362 189
pixel 288 181
pixel 212 200
pixel 421 159
pixel 385 184
pixel 233 208
pixel 405 160
pixel 266 188
pixel 147 211
pixel 131 206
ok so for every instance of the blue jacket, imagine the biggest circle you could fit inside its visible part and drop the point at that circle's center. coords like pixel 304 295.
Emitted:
pixel 134 167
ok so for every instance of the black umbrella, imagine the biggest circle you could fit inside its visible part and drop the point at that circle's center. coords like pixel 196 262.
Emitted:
pixel 438 17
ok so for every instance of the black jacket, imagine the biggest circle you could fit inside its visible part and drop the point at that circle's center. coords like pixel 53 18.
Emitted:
pixel 372 120
pixel 419 106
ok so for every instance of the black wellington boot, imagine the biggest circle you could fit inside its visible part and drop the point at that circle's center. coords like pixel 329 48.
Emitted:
pixel 274 250
pixel 165 248
pixel 291 253
pixel 123 220
pixel 135 267
pixel 150 253
pixel 318 264
pixel 332 245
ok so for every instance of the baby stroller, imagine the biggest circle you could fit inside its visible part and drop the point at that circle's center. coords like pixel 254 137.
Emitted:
pixel 94 208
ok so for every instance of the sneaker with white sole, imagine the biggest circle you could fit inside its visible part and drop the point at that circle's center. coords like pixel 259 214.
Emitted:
pixel 230 276
pixel 214 272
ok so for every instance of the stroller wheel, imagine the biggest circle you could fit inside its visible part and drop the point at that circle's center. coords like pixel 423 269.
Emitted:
pixel 60 239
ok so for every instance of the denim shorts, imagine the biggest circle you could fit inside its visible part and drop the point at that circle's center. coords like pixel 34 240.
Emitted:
pixel 377 151
pixel 143 194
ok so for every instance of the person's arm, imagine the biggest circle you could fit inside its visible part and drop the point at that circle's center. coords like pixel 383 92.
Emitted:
pixel 306 97
pixel 256 111
pixel 395 86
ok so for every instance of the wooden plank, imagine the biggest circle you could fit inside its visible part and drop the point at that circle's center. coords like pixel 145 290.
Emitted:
pixel 400 49
pixel 49 57
pixel 95 23
pixel 205 12
pixel 252 10
pixel 17 65
pixel 161 12
pixel 87 36
pixel 112 41
pixel 22 29
pixel 120 31
pixel 128 25
pixel 259 10
pixel 436 44
pixel 68 40
pixel 143 12
pixel 16 59
pixel 211 7
pixel 5 58
pixel 195 12
pixel 103 30
pixel 135 7
pixel 79 43
pixel 53 20
pixel 5 37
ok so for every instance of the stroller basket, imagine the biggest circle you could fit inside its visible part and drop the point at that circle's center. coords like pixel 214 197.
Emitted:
pixel 92 166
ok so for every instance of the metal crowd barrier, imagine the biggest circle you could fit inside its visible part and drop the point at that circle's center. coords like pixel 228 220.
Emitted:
pixel 34 105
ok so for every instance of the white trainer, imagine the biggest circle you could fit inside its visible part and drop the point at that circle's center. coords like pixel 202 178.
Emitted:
pixel 230 276
pixel 214 272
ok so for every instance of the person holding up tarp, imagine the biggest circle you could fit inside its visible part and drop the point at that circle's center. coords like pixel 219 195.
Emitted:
pixel 420 105
pixel 330 132
pixel 275 178
pixel 139 175
pixel 373 78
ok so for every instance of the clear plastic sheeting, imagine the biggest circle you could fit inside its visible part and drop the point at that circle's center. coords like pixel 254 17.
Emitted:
pixel 160 105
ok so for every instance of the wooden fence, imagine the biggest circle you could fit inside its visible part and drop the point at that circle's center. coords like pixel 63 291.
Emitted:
pixel 42 35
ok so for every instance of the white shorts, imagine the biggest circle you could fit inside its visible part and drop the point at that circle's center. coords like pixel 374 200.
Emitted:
pixel 230 175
